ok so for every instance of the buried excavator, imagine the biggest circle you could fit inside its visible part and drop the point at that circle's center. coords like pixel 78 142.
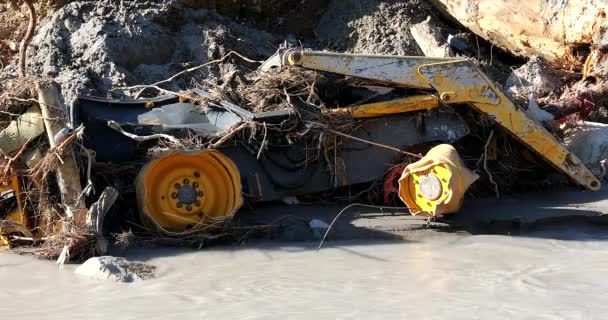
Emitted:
pixel 186 191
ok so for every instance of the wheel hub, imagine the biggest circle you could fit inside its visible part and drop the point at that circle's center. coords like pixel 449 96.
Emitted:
pixel 186 189
pixel 430 186
pixel 186 195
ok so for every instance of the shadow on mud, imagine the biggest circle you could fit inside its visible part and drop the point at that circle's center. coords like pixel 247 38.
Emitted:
pixel 567 215
pixel 570 215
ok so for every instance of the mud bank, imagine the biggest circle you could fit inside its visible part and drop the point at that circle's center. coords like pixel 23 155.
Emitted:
pixel 90 47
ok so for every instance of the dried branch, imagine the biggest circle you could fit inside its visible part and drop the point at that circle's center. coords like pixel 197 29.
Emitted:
pixel 117 127
pixel 27 38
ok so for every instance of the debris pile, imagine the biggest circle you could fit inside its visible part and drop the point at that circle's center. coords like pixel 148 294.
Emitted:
pixel 185 76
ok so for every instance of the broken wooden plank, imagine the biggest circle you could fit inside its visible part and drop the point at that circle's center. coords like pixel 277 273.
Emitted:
pixel 68 177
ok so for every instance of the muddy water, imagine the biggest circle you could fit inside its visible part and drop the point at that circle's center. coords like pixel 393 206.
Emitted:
pixel 455 277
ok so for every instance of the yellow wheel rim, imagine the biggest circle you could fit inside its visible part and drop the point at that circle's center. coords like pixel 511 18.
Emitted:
pixel 436 184
pixel 429 188
pixel 188 190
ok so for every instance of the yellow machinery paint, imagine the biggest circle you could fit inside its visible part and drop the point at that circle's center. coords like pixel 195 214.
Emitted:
pixel 188 190
pixel 435 185
pixel 409 104
pixel 456 81
pixel 16 222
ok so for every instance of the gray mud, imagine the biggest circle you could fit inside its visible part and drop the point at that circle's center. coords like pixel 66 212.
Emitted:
pixel 88 47
pixel 372 26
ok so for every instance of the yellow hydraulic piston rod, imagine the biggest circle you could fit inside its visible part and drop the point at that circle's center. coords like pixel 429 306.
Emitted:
pixel 409 104
pixel 456 81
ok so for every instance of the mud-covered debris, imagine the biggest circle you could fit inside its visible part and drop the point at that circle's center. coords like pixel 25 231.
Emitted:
pixel 88 47
pixel 116 269
pixel 536 77
pixel 588 141
pixel 372 26
pixel 430 40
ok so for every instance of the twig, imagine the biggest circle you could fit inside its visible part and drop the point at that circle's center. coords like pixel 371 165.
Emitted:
pixel 478 50
pixel 89 187
pixel 117 127
pixel 367 141
pixel 335 163
pixel 226 137
pixel 9 163
pixel 348 207
pixel 175 76
pixel 27 38
pixel 264 142
pixel 485 164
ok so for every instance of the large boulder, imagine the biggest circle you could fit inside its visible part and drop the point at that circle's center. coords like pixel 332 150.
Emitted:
pixel 589 142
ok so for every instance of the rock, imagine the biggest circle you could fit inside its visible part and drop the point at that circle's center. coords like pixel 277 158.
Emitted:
pixel 318 227
pixel 558 30
pixel 537 76
pixel 115 269
pixel 589 142
pixel 536 113
pixel 429 39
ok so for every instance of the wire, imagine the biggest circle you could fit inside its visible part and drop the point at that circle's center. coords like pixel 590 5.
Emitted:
pixel 348 207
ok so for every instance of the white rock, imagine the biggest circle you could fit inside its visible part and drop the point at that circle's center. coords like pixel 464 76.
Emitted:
pixel 115 269
pixel 589 142
pixel 429 39
pixel 536 112
pixel 318 227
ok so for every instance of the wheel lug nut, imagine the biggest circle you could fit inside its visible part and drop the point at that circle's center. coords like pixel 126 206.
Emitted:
pixel 186 181
pixel 200 193
pixel 174 195
pixel 177 186
pixel 198 203
pixel 189 207
pixel 195 185
pixel 179 204
pixel 197 174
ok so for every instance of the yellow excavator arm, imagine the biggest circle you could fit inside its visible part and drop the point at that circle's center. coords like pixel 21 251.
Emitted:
pixel 456 81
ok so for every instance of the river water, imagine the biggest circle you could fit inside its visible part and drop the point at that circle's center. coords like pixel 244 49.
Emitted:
pixel 443 277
